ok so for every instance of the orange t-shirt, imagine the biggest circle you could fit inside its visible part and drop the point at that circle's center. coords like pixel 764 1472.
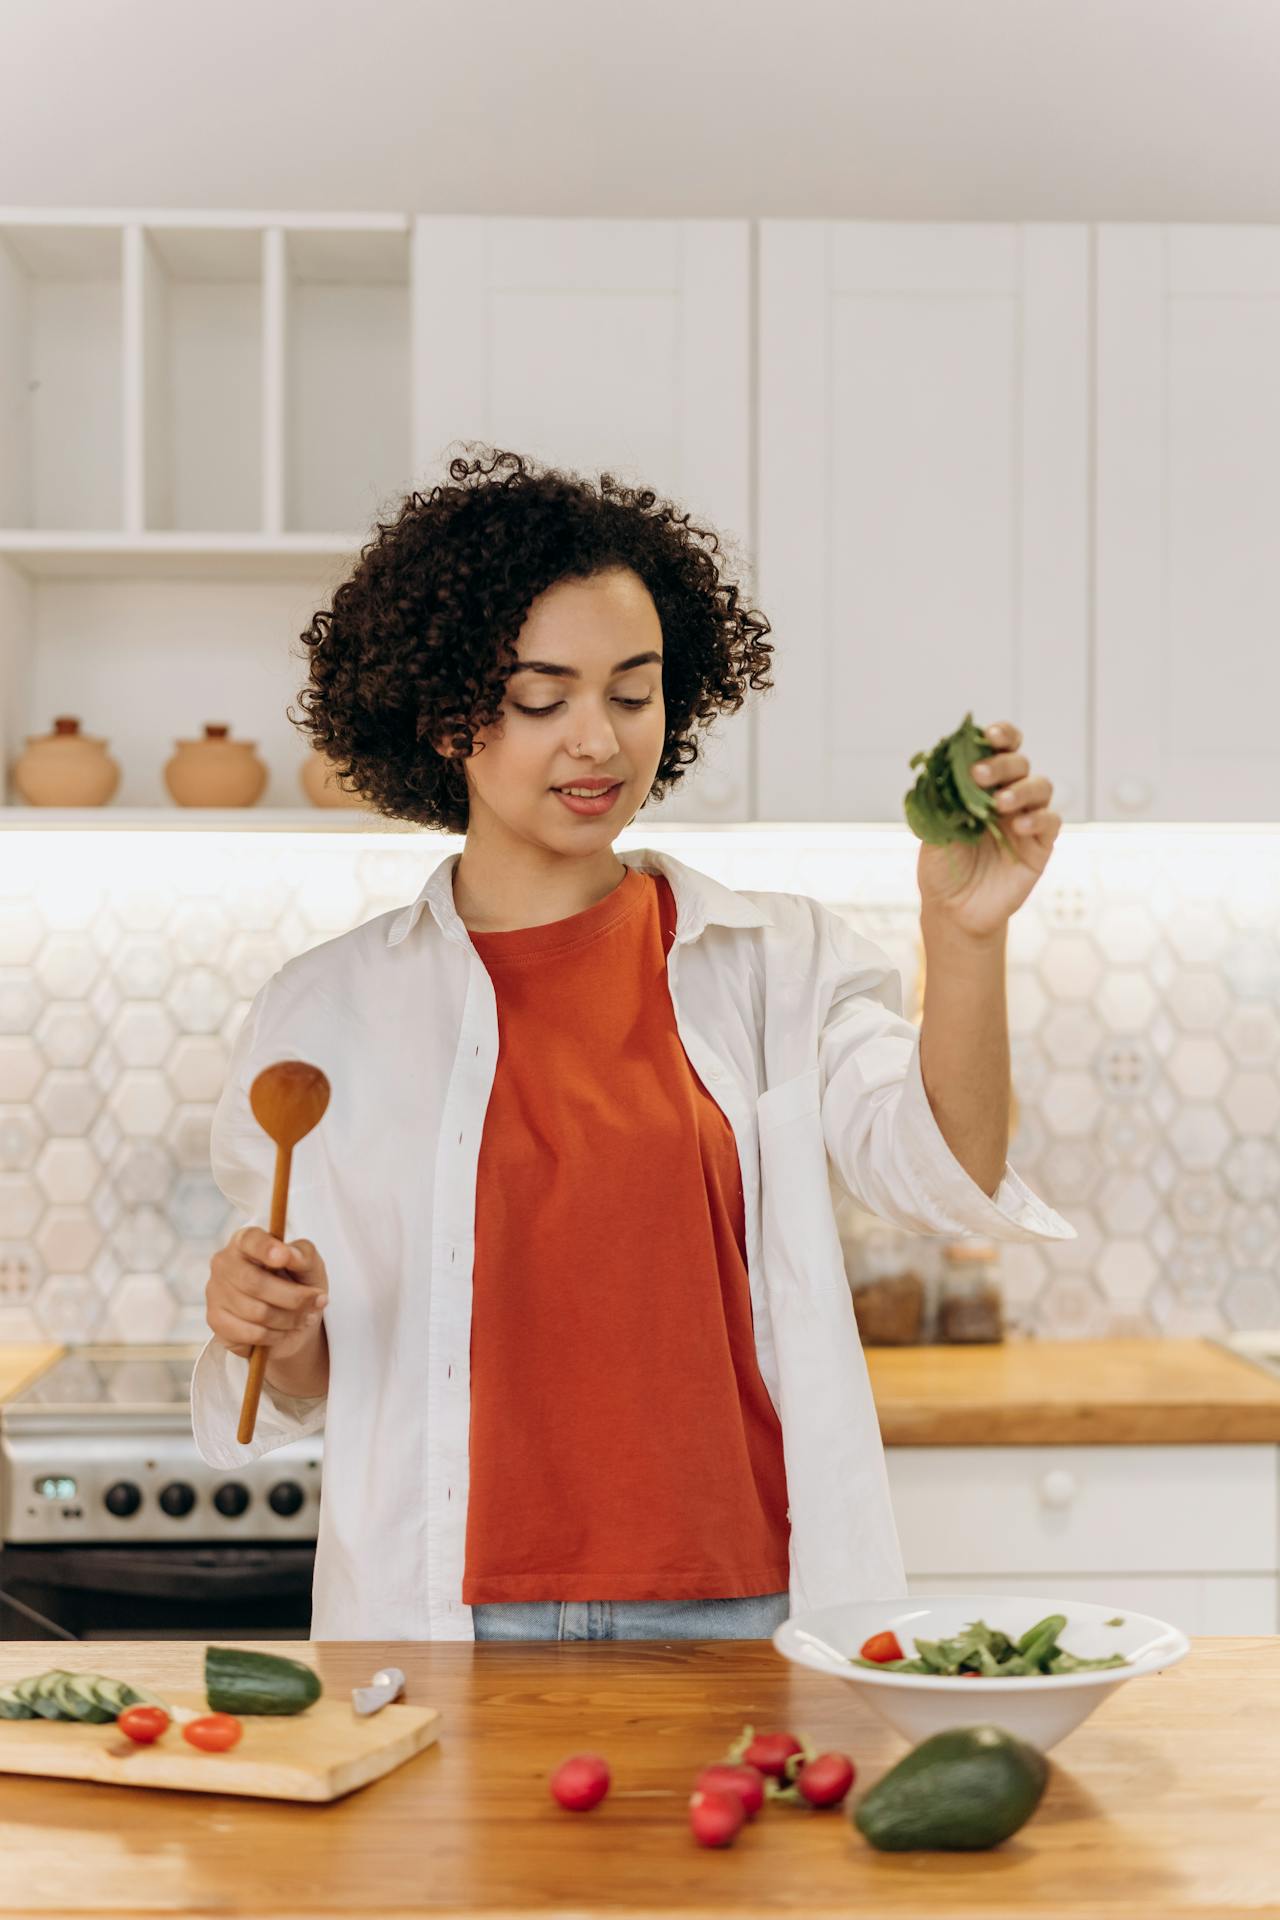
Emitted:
pixel 623 1445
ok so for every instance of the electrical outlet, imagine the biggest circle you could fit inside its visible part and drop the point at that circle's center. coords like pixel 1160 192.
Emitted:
pixel 18 1277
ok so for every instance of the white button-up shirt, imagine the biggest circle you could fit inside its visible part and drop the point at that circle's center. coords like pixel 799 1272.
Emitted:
pixel 793 1022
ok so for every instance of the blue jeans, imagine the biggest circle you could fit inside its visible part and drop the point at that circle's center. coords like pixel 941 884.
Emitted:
pixel 752 1618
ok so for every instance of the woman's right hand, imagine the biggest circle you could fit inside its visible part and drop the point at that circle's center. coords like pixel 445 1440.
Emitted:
pixel 264 1292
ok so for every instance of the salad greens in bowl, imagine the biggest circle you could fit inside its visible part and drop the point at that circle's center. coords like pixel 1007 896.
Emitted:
pixel 1035 1667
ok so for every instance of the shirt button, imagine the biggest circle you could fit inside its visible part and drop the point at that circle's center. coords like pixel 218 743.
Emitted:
pixel 715 1073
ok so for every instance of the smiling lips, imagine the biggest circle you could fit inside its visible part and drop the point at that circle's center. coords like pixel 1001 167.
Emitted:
pixel 589 796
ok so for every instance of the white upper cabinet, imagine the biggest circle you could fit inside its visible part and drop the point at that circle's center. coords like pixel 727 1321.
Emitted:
pixel 218 380
pixel 924 414
pixel 618 346
pixel 1188 560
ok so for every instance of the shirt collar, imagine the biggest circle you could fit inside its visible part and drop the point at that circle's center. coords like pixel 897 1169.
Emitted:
pixel 700 901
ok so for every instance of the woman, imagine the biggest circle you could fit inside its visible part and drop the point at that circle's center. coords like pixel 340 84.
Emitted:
pixel 575 1317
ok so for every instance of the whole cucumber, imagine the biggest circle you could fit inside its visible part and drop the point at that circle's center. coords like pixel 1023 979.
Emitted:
pixel 238 1680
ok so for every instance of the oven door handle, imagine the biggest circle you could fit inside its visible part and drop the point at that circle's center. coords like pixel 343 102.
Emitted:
pixel 165 1573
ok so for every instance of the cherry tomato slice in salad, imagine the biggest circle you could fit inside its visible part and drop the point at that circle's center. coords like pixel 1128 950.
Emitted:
pixel 881 1647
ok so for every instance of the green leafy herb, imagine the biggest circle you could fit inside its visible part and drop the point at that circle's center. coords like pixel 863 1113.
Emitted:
pixel 982 1649
pixel 947 804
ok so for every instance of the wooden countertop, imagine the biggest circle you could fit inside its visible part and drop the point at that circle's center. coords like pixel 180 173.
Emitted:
pixel 1021 1393
pixel 18 1364
pixel 1163 1803
pixel 1071 1393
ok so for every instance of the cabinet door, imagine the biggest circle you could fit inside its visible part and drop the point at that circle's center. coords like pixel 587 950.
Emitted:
pixel 1188 501
pixel 1039 1512
pixel 1198 1603
pixel 923 502
pixel 617 346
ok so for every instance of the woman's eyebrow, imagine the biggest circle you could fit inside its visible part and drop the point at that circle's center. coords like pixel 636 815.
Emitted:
pixel 571 673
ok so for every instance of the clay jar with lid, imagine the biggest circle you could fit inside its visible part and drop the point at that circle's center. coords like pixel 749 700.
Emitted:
pixel 216 771
pixel 65 768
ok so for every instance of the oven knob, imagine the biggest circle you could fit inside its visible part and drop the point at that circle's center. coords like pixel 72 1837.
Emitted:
pixel 231 1498
pixel 122 1499
pixel 286 1497
pixel 177 1498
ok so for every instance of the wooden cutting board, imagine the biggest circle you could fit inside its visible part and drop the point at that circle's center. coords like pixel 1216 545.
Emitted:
pixel 317 1755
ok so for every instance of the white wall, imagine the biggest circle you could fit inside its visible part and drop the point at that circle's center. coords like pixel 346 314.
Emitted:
pixel 908 109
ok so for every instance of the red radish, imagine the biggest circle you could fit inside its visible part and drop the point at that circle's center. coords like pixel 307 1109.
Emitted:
pixel 715 1816
pixel 770 1752
pixel 824 1782
pixel 581 1782
pixel 746 1782
pixel 881 1647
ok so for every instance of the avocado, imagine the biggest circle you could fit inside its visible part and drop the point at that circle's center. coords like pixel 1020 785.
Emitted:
pixel 967 1788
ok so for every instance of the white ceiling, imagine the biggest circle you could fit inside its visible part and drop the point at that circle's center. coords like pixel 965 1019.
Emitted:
pixel 945 109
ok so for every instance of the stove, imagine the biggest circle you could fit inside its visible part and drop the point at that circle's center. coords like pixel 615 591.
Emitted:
pixel 109 1514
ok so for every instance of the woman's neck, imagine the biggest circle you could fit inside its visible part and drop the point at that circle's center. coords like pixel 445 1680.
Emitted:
pixel 500 889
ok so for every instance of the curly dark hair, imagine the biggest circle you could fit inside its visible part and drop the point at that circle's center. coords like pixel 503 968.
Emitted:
pixel 420 640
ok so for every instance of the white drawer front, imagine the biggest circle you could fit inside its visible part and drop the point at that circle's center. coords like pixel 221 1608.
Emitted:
pixel 1091 1510
pixel 1212 1603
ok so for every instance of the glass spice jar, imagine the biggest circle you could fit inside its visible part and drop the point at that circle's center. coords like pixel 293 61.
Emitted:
pixel 884 1278
pixel 970 1304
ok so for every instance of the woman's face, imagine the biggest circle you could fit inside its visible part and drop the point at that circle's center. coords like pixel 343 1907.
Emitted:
pixel 584 707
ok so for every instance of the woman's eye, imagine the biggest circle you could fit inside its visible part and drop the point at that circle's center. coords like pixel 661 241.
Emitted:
pixel 633 705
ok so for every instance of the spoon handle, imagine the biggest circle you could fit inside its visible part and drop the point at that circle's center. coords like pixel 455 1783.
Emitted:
pixel 258 1356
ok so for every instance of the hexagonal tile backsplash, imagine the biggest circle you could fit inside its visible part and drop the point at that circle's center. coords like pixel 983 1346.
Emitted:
pixel 1144 995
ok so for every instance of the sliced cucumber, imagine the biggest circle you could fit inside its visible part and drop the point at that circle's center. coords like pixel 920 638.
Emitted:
pixel 81 1692
pixel 59 1695
pixel 64 1697
pixel 113 1696
pixel 143 1696
pixel 45 1698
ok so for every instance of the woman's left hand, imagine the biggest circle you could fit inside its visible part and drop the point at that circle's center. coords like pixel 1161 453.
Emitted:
pixel 975 885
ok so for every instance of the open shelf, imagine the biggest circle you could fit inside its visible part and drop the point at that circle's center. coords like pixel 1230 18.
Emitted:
pixel 177 556
pixel 61 376
pixel 203 373
pixel 206 819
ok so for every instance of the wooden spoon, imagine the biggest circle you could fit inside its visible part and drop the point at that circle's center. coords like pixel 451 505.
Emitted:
pixel 287 1100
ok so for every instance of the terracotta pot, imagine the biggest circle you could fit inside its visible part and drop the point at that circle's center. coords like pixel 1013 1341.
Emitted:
pixel 320 784
pixel 66 768
pixel 215 771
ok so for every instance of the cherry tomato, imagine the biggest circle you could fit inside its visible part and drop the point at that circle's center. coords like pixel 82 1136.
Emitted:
pixel 214 1732
pixel 881 1647
pixel 143 1724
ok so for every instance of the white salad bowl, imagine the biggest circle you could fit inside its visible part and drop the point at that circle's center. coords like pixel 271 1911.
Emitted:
pixel 1041 1710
